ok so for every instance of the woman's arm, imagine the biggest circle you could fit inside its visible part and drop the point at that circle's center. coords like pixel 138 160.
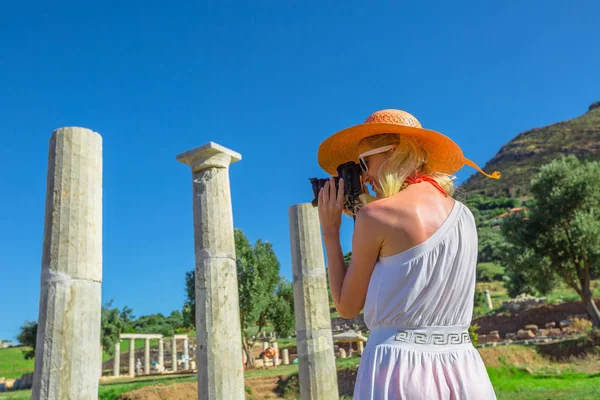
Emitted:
pixel 349 287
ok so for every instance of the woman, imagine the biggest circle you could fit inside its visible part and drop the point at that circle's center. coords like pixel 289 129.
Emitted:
pixel 414 253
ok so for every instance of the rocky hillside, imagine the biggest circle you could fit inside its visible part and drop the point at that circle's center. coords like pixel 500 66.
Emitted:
pixel 521 158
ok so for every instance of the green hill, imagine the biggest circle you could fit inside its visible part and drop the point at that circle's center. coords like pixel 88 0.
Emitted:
pixel 521 158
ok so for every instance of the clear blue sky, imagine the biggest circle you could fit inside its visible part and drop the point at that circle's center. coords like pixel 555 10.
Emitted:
pixel 269 79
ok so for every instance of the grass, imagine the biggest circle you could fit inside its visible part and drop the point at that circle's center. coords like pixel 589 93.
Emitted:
pixel 12 363
pixel 509 383
pixel 512 383
pixel 286 343
pixel 489 271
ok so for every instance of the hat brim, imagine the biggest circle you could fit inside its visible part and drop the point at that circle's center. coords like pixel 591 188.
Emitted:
pixel 442 153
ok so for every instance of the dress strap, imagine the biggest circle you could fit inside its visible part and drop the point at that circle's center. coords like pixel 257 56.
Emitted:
pixel 425 178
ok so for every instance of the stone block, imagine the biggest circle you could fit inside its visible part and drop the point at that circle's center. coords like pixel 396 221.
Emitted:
pixel 564 323
pixel 525 334
pixel 550 325
pixel 531 327
pixel 485 339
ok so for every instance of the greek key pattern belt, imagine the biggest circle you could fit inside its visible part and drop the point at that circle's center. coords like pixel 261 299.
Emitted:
pixel 433 338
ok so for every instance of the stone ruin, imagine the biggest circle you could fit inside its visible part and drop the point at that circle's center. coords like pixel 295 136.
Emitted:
pixel 160 365
pixel 532 333
pixel 523 302
pixel 68 354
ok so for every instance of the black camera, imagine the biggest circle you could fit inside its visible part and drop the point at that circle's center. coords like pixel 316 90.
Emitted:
pixel 351 173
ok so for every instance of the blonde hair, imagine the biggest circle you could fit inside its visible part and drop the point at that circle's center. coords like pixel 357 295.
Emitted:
pixel 407 159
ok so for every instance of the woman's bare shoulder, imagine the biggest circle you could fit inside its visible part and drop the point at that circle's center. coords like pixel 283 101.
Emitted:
pixel 387 211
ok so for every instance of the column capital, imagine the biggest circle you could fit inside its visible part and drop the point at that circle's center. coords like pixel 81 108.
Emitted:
pixel 209 155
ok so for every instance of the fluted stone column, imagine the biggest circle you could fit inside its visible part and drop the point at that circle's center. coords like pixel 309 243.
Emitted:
pixel 146 356
pixel 218 330
pixel 161 354
pixel 117 359
pixel 316 361
pixel 186 354
pixel 276 358
pixel 174 354
pixel 285 357
pixel 68 335
pixel 131 357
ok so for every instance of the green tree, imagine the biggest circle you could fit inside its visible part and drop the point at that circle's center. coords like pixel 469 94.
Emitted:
pixel 562 229
pixel 189 306
pixel 348 258
pixel 27 338
pixel 490 242
pixel 281 312
pixel 523 267
pixel 111 327
pixel 127 318
pixel 259 290
pixel 258 278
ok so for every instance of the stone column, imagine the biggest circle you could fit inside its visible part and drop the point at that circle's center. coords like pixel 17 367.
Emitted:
pixel 276 358
pixel 117 359
pixel 161 354
pixel 285 357
pixel 316 361
pixel 218 329
pixel 68 335
pixel 186 354
pixel 174 354
pixel 131 357
pixel 101 361
pixel 146 356
pixel 361 347
pixel 488 299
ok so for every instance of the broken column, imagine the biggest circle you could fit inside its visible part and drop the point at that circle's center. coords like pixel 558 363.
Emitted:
pixel 174 353
pixel 276 357
pixel 68 335
pixel 186 354
pixel 161 354
pixel 117 359
pixel 317 370
pixel 146 356
pixel 488 299
pixel 131 357
pixel 218 329
pixel 285 357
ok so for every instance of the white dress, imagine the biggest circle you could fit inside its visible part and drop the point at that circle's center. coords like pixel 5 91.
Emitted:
pixel 418 308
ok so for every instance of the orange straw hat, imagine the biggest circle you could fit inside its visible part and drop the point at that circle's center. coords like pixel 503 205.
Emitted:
pixel 442 154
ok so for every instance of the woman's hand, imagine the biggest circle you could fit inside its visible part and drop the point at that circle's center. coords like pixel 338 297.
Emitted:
pixel 331 205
